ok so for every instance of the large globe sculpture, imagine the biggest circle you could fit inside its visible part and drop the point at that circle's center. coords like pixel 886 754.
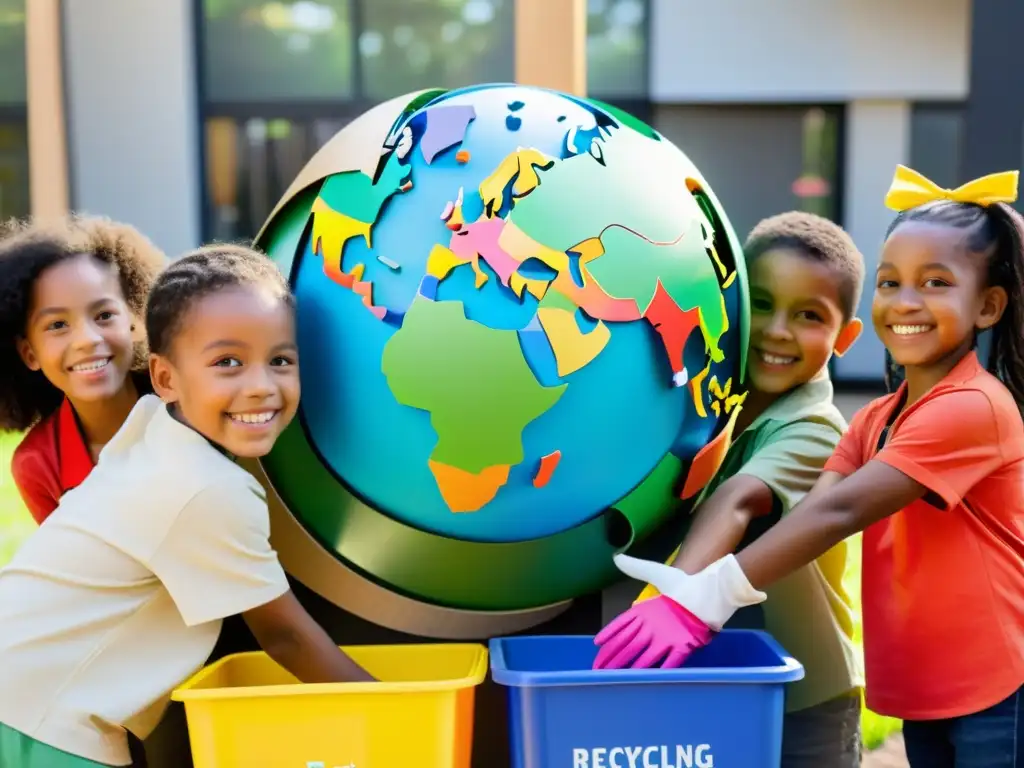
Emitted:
pixel 522 323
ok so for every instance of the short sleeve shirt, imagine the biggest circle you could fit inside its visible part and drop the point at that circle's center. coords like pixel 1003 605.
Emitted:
pixel 809 612
pixel 50 460
pixel 119 597
pixel 943 579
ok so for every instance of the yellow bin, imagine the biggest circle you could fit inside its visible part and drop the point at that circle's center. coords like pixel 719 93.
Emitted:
pixel 246 711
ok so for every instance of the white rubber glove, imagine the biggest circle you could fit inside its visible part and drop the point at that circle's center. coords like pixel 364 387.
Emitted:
pixel 713 595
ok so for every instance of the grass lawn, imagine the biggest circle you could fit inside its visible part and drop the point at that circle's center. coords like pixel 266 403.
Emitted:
pixel 16 525
pixel 15 522
pixel 876 728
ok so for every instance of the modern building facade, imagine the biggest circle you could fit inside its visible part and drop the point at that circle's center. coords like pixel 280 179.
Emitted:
pixel 188 118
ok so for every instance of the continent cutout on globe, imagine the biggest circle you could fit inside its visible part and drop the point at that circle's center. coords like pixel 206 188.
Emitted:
pixel 572 347
pixel 348 206
pixel 478 389
pixel 580 243
pixel 444 129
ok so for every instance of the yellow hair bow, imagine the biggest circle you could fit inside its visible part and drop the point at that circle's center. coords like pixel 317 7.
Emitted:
pixel 910 189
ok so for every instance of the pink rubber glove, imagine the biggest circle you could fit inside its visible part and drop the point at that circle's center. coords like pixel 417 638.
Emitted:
pixel 654 633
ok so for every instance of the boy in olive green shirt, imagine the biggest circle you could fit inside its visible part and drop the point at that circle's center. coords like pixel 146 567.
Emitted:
pixel 806 277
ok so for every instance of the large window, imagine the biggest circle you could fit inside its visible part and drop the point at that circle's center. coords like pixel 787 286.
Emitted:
pixel 14 199
pixel 280 78
pixel 259 52
pixel 250 161
pixel 936 142
pixel 617 65
pixel 407 45
pixel 762 160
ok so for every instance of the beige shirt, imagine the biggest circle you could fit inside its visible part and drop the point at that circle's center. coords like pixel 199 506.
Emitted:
pixel 119 596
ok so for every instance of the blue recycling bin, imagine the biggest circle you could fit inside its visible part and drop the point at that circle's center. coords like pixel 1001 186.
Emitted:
pixel 724 707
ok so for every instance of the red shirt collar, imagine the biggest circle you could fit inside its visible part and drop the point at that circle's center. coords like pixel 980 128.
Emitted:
pixel 966 369
pixel 75 460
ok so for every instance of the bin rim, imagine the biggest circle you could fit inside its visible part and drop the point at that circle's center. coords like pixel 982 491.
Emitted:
pixel 788 671
pixel 189 692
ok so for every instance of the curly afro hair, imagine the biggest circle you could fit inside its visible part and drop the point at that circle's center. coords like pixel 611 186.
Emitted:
pixel 198 274
pixel 819 239
pixel 27 249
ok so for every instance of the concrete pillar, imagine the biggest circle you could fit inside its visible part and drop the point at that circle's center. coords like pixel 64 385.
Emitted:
pixel 133 120
pixel 551 44
pixel 47 140
pixel 877 139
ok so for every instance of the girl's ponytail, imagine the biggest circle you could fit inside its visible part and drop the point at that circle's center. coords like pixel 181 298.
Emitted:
pixel 1006 269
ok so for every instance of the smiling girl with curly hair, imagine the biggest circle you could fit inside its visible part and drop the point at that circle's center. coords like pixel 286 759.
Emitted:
pixel 72 345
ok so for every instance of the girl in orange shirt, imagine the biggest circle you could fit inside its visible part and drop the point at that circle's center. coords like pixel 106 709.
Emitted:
pixel 932 473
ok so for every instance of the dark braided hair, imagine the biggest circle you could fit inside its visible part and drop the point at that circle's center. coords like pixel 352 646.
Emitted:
pixel 199 274
pixel 27 249
pixel 997 231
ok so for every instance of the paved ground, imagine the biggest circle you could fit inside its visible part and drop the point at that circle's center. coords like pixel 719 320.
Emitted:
pixel 889 755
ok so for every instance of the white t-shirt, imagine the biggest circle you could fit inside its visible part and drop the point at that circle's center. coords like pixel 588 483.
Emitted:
pixel 119 596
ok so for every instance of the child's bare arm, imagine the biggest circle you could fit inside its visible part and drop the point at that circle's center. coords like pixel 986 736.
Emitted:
pixel 722 520
pixel 787 471
pixel 291 637
pixel 822 520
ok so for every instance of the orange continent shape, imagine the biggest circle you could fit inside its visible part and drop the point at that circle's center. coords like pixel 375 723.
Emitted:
pixel 465 491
